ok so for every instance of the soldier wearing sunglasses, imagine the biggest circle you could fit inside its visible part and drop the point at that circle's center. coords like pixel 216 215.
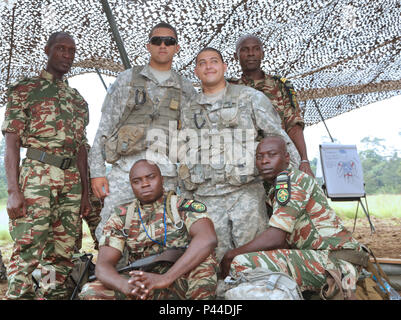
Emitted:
pixel 141 106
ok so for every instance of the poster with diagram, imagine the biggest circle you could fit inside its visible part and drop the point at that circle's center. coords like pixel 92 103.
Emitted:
pixel 342 171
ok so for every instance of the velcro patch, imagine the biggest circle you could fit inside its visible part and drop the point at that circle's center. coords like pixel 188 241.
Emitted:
pixel 192 205
pixel 283 188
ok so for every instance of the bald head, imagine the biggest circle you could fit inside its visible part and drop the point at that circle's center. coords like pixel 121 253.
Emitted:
pixel 143 162
pixel 272 157
pixel 146 181
pixel 278 141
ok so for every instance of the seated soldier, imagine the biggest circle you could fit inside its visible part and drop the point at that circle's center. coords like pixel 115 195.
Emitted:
pixel 152 227
pixel 305 238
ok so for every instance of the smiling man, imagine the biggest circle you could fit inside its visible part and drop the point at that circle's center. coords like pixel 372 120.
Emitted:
pixel 139 108
pixel 153 222
pixel 223 175
pixel 305 238
pixel 49 193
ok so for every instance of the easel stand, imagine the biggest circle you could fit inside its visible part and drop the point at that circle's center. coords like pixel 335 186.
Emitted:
pixel 365 210
pixel 358 198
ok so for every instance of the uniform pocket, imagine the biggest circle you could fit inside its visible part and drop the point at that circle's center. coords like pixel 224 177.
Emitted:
pixel 43 121
pixel 24 174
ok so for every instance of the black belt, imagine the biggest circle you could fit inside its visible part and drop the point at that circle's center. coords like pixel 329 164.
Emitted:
pixel 54 160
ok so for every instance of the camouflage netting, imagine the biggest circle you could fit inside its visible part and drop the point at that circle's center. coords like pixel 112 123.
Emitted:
pixel 340 55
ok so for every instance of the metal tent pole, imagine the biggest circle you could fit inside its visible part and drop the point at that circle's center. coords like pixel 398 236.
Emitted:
pixel 321 116
pixel 101 78
pixel 116 34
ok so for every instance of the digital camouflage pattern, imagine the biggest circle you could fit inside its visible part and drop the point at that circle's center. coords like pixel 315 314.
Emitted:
pixel 200 283
pixel 313 231
pixel 49 115
pixel 282 95
pixel 240 108
pixel 237 209
pixel 238 216
pixel 113 107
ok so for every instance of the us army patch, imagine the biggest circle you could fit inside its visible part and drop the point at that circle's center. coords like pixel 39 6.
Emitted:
pixel 283 188
pixel 192 205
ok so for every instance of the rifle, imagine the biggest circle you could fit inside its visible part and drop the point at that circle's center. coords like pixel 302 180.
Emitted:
pixel 169 255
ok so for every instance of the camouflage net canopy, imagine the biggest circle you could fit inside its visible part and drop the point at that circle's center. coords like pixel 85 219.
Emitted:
pixel 340 55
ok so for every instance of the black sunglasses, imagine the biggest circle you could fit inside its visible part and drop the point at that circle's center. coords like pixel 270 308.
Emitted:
pixel 168 41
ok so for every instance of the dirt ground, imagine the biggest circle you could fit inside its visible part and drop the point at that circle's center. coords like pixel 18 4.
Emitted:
pixel 385 242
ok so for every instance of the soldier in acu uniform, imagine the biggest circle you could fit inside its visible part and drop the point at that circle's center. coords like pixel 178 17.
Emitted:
pixel 48 194
pixel 223 175
pixel 249 52
pixel 142 106
pixel 152 223
pixel 305 238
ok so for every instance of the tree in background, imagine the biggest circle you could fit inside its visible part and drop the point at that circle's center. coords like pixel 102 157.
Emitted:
pixel 382 173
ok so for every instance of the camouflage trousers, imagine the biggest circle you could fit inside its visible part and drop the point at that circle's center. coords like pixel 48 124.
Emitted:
pixel 237 217
pixel 47 234
pixel 92 220
pixel 198 284
pixel 306 267
pixel 3 271
pixel 121 193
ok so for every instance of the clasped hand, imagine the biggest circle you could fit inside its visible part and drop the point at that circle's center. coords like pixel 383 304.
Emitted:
pixel 142 283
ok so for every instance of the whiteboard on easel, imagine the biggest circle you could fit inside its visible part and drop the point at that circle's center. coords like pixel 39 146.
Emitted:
pixel 342 171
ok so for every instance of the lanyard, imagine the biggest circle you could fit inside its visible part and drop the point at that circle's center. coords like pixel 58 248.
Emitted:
pixel 165 226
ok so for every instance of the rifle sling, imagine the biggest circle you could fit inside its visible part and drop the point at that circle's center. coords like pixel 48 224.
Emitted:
pixel 359 258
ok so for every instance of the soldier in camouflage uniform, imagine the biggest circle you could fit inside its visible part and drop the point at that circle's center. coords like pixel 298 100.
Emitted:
pixel 303 231
pixel 49 192
pixel 146 227
pixel 228 186
pixel 142 103
pixel 249 52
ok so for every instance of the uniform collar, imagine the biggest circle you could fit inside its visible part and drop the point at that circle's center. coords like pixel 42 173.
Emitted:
pixel 49 77
pixel 245 79
pixel 173 81
pixel 154 205
pixel 203 99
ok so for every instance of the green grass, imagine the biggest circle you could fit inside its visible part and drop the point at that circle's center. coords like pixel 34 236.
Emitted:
pixel 4 235
pixel 380 206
